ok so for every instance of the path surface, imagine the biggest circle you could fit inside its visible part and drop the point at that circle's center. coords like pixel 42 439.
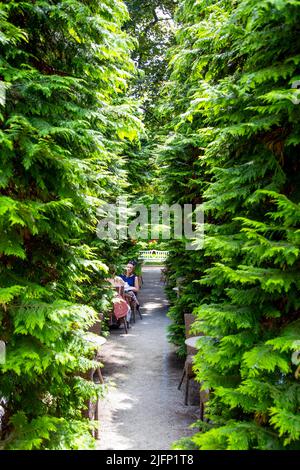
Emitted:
pixel 143 408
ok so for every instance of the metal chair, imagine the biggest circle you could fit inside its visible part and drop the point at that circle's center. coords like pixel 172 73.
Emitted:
pixel 118 284
pixel 204 397
pixel 188 372
pixel 93 405
pixel 133 306
pixel 121 310
pixel 96 329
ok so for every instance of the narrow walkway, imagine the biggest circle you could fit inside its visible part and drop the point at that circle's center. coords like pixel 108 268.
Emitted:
pixel 143 409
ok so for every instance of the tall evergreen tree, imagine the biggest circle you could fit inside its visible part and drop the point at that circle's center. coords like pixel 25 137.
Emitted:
pixel 151 24
pixel 238 65
pixel 181 169
pixel 64 127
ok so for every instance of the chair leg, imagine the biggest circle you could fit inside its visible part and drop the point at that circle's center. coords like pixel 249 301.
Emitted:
pixel 132 306
pixel 187 390
pixel 201 410
pixel 100 375
pixel 97 418
pixel 138 309
pixel 181 380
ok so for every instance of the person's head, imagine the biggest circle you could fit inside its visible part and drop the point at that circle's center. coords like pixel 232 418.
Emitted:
pixel 130 267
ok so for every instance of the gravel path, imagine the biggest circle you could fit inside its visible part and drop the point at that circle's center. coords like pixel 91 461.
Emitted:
pixel 143 408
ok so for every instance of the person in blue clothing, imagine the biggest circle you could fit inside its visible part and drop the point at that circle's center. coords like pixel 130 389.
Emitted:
pixel 131 283
pixel 131 278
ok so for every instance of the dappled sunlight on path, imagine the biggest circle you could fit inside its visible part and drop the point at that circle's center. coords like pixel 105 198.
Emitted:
pixel 143 408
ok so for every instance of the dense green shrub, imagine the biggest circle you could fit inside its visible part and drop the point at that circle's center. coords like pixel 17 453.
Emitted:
pixel 232 93
pixel 64 128
pixel 230 141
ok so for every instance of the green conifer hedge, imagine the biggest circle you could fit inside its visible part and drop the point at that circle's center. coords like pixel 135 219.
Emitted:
pixel 233 95
pixel 64 126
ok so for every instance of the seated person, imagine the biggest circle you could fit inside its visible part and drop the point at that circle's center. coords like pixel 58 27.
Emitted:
pixel 131 281
pixel 118 283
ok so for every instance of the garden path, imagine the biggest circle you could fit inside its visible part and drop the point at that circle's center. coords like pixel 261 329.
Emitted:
pixel 143 408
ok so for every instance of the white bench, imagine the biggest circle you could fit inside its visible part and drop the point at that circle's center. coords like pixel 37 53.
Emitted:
pixel 153 255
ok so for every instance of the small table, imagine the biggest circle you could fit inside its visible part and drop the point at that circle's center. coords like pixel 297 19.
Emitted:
pixel 118 284
pixel 192 341
pixel 176 289
pixel 95 339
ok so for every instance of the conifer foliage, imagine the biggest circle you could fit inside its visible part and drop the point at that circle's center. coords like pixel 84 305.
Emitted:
pixel 64 123
pixel 233 96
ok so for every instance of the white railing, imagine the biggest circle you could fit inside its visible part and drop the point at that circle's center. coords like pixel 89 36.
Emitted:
pixel 153 255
